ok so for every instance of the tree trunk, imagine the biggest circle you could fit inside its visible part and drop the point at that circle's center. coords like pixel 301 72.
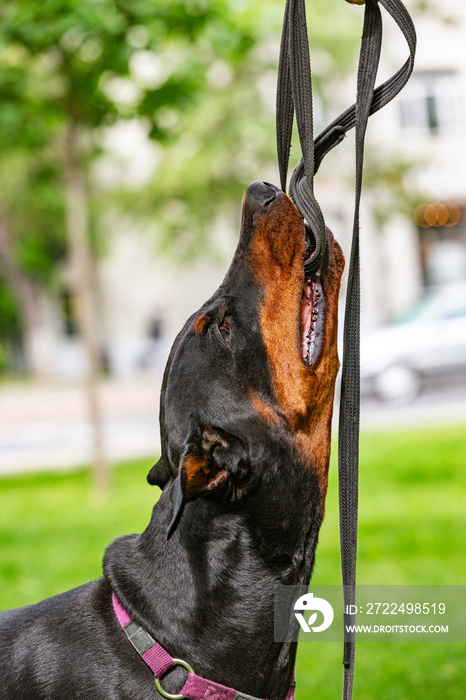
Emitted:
pixel 28 294
pixel 84 294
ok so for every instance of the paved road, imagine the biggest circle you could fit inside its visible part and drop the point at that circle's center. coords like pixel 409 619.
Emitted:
pixel 43 427
pixel 436 405
pixel 46 426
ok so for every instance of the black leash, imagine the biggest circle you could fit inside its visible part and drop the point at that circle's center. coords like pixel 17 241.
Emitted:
pixel 294 96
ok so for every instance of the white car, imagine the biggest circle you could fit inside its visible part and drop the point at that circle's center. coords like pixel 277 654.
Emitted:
pixel 432 341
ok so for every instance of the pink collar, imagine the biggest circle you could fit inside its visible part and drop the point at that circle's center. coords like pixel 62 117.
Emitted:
pixel 160 661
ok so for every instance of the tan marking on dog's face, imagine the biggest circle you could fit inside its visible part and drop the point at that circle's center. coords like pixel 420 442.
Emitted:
pixel 264 409
pixel 201 323
pixel 304 393
pixel 200 476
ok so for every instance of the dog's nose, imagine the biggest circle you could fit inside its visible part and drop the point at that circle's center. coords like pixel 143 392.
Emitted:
pixel 261 192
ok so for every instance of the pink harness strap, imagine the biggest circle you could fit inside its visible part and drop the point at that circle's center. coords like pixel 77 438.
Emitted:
pixel 160 661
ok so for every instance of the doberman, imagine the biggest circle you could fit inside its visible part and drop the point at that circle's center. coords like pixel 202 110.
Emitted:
pixel 245 420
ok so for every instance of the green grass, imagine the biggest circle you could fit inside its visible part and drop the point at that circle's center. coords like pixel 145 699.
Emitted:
pixel 412 530
pixel 53 530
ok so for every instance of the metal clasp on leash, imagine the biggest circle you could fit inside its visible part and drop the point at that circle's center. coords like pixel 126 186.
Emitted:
pixel 169 696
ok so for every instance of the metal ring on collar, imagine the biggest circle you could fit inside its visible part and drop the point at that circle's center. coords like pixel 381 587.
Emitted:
pixel 169 696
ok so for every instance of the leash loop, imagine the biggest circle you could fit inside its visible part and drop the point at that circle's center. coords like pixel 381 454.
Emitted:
pixel 158 685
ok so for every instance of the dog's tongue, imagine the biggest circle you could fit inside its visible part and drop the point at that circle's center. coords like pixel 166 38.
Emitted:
pixel 308 319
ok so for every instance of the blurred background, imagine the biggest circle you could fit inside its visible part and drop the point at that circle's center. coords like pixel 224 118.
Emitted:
pixel 128 135
pixel 129 130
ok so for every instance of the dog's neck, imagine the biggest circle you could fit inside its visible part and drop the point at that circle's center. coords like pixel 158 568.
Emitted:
pixel 207 594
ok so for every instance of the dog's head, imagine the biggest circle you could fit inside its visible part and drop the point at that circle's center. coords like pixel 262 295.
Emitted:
pixel 252 373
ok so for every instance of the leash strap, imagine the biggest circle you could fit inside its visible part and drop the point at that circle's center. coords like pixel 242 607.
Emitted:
pixel 160 661
pixel 294 95
pixel 368 101
pixel 348 434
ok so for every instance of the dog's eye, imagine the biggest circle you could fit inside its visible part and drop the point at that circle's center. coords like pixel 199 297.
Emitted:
pixel 224 330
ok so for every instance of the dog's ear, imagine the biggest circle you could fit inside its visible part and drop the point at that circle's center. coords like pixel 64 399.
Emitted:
pixel 211 459
pixel 159 475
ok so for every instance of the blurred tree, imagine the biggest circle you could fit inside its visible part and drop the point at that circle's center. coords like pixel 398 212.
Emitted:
pixel 10 329
pixel 227 139
pixel 68 69
pixel 32 241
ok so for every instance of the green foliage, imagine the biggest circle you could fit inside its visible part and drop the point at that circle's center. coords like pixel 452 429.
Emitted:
pixel 10 326
pixel 228 138
pixel 71 57
pixel 3 356
pixel 64 62
pixel 32 197
pixel 75 64
pixel 9 317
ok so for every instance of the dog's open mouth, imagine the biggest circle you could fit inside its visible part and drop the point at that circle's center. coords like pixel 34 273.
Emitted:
pixel 312 311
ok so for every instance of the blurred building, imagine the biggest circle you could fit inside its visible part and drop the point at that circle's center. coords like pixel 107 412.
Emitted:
pixel 427 123
pixel 420 242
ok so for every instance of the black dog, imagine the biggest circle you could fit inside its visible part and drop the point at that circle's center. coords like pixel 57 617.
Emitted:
pixel 245 423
